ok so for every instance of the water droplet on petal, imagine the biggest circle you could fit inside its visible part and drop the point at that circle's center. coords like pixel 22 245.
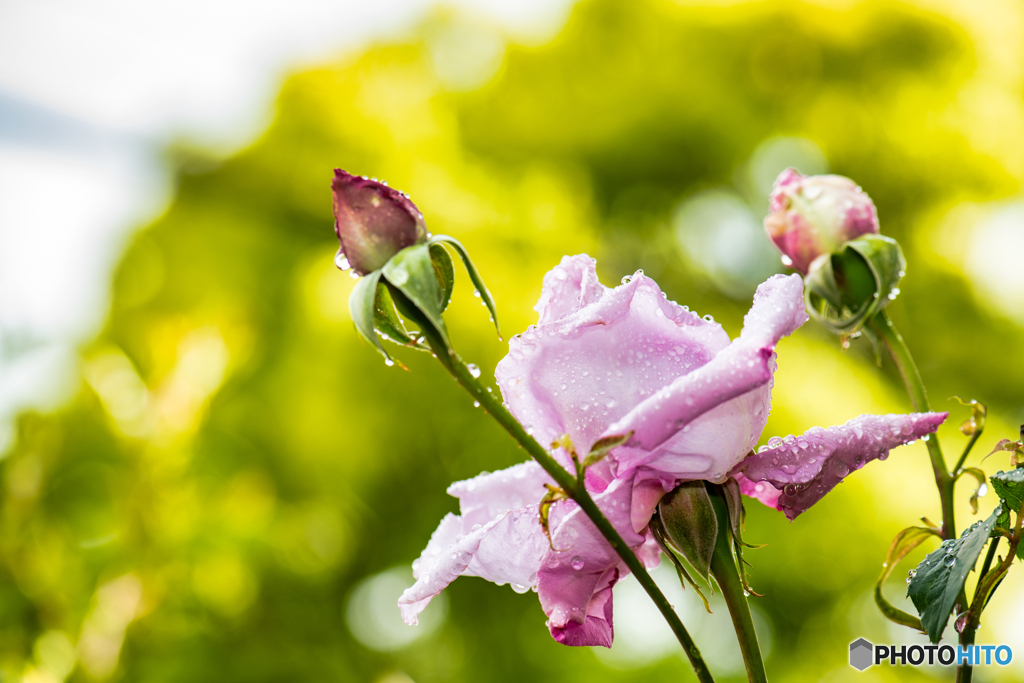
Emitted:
pixel 577 562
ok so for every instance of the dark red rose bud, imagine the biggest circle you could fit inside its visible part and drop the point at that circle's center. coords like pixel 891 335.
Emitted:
pixel 373 222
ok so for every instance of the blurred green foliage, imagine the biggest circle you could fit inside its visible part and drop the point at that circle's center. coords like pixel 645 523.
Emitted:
pixel 237 461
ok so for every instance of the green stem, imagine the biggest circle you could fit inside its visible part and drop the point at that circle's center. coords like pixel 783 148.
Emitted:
pixel 575 490
pixel 890 336
pixel 963 457
pixel 723 567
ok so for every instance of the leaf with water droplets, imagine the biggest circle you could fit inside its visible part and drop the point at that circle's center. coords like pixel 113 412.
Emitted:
pixel 1010 487
pixel 941 575
pixel 905 541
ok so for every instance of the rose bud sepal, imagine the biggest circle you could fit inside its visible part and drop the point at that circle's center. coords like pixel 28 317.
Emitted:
pixel 845 289
pixel 689 523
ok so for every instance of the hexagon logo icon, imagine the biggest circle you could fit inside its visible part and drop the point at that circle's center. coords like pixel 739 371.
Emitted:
pixel 861 654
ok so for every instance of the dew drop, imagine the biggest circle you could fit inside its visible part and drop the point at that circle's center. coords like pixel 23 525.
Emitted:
pixel 577 562
pixel 473 369
pixel 476 404
pixel 341 261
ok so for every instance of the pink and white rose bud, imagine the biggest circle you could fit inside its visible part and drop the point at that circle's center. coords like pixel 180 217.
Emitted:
pixel 373 222
pixel 814 215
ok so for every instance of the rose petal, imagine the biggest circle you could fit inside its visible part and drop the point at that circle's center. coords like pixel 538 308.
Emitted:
pixel 568 287
pixel 578 374
pixel 498 536
pixel 572 576
pixel 597 628
pixel 807 467
pixel 490 494
pixel 709 449
pixel 759 490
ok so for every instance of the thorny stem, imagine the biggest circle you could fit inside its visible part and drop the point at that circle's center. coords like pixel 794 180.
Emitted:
pixel 576 490
pixel 723 567
pixel 887 332
pixel 986 584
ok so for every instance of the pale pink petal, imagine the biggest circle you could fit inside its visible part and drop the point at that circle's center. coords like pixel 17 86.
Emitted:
pixel 572 576
pixel 597 628
pixel 446 556
pixel 578 374
pixel 498 537
pixel 807 467
pixel 740 374
pixel 568 287
pixel 759 490
pixel 490 494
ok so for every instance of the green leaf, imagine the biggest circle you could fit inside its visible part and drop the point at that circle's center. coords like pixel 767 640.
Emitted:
pixel 363 310
pixel 905 541
pixel 474 275
pixel 1010 487
pixel 975 424
pixel 690 524
pixel 848 287
pixel 444 271
pixel 981 489
pixel 938 580
pixel 411 271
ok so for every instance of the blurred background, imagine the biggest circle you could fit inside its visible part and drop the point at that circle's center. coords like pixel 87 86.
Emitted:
pixel 206 476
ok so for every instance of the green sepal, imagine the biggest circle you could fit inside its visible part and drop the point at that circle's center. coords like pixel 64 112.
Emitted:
pixel 411 271
pixel 905 541
pixel 362 308
pixel 658 529
pixel 603 447
pixel 387 321
pixel 939 579
pixel 846 288
pixel 690 524
pixel 1010 487
pixel 444 271
pixel 474 275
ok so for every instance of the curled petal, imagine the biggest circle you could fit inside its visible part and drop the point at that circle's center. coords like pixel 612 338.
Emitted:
pixel 568 287
pixel 803 469
pixel 741 372
pixel 574 581
pixel 597 628
pixel 497 537
pixel 760 490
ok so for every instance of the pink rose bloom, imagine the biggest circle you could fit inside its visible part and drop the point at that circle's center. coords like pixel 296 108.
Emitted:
pixel 814 215
pixel 603 362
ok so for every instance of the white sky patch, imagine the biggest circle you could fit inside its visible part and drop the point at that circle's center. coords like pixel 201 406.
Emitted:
pixel 90 91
